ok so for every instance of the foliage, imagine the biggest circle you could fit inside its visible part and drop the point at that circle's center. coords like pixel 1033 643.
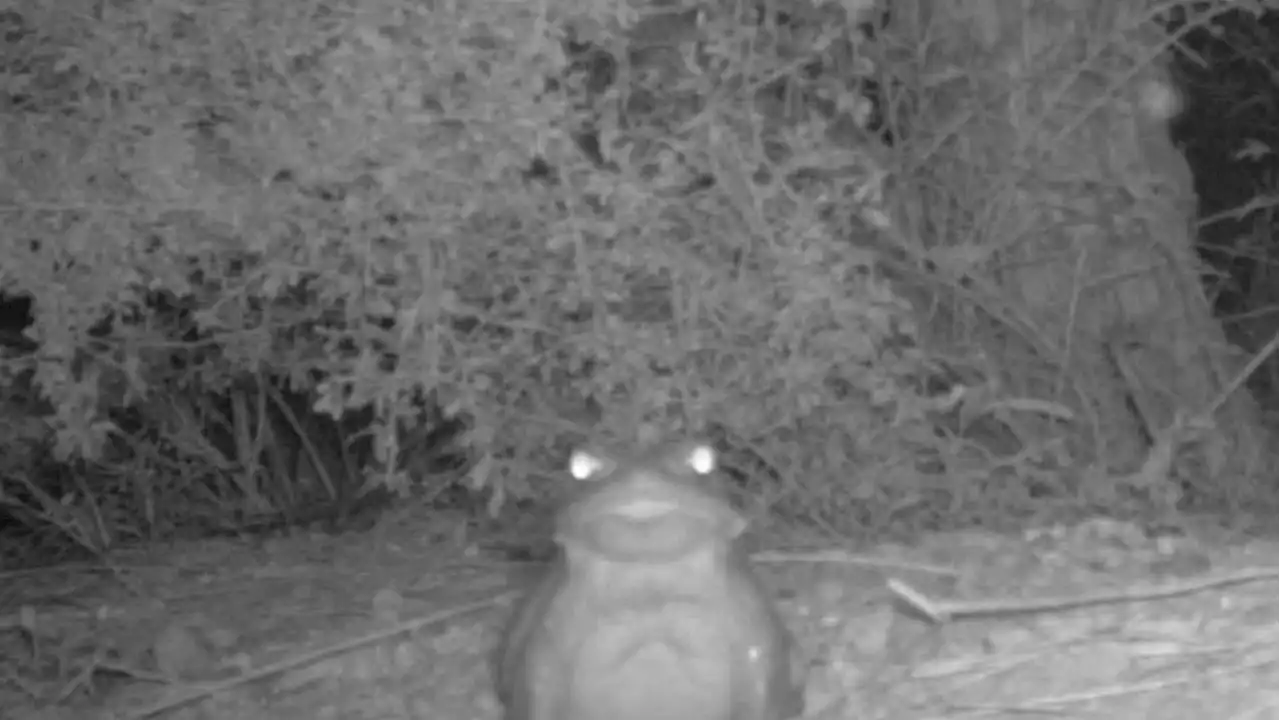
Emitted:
pixel 338 193
pixel 492 212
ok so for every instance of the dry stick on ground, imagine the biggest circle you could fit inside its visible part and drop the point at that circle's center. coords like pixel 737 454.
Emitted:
pixel 941 611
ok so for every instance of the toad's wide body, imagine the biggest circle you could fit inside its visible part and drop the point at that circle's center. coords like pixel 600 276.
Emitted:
pixel 650 609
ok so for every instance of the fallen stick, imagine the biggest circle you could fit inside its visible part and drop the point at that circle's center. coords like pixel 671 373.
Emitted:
pixel 943 611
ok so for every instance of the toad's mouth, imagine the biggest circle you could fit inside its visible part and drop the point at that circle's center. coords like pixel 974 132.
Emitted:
pixel 646 508
pixel 648 533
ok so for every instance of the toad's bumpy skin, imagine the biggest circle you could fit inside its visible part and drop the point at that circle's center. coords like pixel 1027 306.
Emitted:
pixel 650 609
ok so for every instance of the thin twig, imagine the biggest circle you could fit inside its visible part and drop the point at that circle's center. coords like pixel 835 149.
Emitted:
pixel 942 611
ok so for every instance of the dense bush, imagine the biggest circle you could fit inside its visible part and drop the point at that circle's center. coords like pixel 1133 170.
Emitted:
pixel 534 223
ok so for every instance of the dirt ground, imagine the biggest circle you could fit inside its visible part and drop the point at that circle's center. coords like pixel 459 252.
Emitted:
pixel 1098 620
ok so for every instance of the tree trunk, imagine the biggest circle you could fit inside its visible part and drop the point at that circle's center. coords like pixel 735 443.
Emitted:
pixel 1061 189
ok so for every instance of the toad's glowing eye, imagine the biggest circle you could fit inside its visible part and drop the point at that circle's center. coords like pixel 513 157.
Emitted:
pixel 701 459
pixel 585 466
